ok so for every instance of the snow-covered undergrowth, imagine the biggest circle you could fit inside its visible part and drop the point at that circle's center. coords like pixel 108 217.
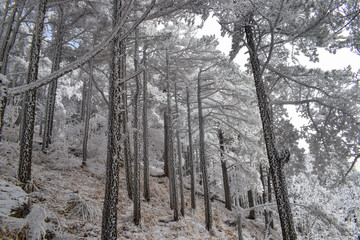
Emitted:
pixel 68 203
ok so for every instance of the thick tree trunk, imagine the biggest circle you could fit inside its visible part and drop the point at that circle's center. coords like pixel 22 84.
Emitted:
pixel 190 152
pixel 224 171
pixel 28 121
pixel 276 160
pixel 51 96
pixel 87 113
pixel 136 192
pixel 170 152
pixel 145 132
pixel 109 217
pixel 182 201
pixel 208 213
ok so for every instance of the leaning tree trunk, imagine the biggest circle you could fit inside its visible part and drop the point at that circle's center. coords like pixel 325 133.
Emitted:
pixel 6 43
pixel 191 154
pixel 51 96
pixel 224 171
pixel 182 201
pixel 109 217
pixel 208 214
pixel 136 199
pixel 276 159
pixel 145 132
pixel 170 152
pixel 28 121
pixel 9 38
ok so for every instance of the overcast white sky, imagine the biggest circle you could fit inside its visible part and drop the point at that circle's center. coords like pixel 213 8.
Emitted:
pixel 342 59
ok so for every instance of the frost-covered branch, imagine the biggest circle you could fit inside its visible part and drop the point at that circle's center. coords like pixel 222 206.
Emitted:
pixel 82 60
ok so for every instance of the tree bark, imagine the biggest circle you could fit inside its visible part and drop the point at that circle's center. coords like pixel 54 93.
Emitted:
pixel 87 113
pixel 181 183
pixel 166 145
pixel 170 152
pixel 251 205
pixel 28 121
pixel 136 192
pixel 145 131
pixel 208 214
pixel 224 171
pixel 109 217
pixel 51 96
pixel 276 160
pixel 190 153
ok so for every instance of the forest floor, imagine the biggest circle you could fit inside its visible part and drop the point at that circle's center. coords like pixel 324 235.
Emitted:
pixel 67 203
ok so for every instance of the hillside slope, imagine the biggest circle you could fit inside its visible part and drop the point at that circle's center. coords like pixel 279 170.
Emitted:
pixel 67 203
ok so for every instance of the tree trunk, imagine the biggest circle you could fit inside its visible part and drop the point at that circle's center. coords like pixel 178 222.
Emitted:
pixel 190 153
pixel 136 192
pixel 166 145
pixel 276 160
pixel 251 205
pixel 3 100
pixel 145 132
pixel 170 152
pixel 127 148
pixel 51 96
pixel 239 223
pixel 208 214
pixel 109 217
pixel 24 171
pixel 224 171
pixel 9 40
pixel 269 194
pixel 87 113
pixel 265 197
pixel 182 201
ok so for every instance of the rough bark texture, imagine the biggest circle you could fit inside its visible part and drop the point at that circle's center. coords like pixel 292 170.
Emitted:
pixel 276 160
pixel 145 132
pixel 109 217
pixel 28 121
pixel 181 183
pixel 136 192
pixel 224 171
pixel 190 152
pixel 208 214
pixel 51 96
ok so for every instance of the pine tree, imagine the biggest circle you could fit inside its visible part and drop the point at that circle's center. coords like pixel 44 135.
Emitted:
pixel 28 121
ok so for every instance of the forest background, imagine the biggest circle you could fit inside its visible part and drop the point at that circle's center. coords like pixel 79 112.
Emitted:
pixel 135 84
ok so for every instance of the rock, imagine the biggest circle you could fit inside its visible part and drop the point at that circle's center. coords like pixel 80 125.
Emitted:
pixel 14 202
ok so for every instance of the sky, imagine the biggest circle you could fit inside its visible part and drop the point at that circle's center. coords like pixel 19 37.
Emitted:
pixel 327 61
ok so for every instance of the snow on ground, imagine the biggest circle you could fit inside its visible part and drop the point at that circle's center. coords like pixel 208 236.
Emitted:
pixel 68 202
